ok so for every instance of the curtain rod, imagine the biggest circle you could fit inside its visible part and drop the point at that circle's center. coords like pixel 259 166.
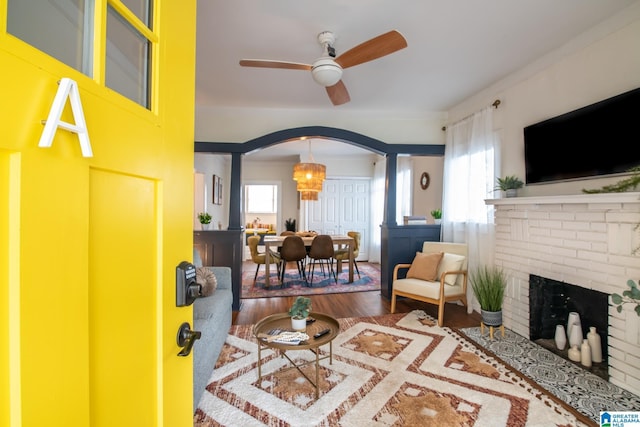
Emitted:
pixel 494 105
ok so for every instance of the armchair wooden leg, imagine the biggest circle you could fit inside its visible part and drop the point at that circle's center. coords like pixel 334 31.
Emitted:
pixel 441 313
pixel 393 302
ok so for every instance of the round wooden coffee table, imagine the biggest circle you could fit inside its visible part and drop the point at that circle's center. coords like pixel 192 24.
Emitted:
pixel 282 321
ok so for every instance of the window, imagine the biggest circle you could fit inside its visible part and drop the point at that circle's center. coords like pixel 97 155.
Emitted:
pixel 261 198
pixel 65 30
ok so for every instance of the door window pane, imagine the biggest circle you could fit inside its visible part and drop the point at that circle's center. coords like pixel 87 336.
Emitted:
pixel 60 28
pixel 128 59
pixel 140 8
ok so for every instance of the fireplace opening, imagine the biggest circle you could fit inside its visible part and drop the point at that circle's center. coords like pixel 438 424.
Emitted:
pixel 550 303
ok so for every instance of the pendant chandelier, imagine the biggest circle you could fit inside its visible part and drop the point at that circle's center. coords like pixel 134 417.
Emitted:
pixel 309 177
pixel 309 195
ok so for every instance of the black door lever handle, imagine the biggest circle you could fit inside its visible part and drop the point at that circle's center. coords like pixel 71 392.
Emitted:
pixel 186 338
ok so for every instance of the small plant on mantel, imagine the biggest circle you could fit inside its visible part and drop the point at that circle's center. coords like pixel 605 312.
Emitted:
pixel 631 296
pixel 436 214
pixel 510 182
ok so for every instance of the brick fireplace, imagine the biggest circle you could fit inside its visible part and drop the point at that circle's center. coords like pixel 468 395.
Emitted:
pixel 586 240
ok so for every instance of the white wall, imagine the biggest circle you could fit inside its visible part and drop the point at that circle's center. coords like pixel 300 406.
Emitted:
pixel 209 165
pixel 424 201
pixel 599 64
pixel 244 124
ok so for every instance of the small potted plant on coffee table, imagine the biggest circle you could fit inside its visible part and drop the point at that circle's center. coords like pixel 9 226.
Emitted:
pixel 299 312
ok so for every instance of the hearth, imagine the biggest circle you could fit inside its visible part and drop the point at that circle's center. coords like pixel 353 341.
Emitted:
pixel 550 303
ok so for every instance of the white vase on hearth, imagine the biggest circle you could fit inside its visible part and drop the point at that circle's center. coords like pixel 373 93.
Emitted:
pixel 574 320
pixel 585 353
pixel 575 336
pixel 575 354
pixel 560 337
pixel 596 345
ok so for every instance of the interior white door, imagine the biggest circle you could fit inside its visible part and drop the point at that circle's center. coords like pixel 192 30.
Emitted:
pixel 342 206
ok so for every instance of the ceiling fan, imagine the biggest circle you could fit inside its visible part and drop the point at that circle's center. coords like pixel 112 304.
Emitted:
pixel 327 70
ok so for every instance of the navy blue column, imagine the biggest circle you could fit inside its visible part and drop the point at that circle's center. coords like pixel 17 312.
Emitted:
pixel 390 190
pixel 235 193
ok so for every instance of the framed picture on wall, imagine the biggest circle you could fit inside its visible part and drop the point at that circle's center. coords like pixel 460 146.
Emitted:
pixel 219 190
pixel 216 190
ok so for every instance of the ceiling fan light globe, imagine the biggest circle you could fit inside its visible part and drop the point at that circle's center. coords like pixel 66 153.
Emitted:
pixel 326 72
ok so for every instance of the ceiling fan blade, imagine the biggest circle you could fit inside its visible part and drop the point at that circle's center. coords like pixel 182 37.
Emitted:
pixel 372 49
pixel 263 63
pixel 338 93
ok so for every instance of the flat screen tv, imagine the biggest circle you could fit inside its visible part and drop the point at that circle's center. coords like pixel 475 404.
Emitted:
pixel 596 140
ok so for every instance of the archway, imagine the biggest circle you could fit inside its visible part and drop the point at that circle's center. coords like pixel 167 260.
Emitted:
pixel 406 241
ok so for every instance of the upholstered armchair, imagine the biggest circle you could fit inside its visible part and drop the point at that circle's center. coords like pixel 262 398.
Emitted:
pixel 437 274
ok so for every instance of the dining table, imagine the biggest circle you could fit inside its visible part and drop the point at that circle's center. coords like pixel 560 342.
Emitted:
pixel 274 242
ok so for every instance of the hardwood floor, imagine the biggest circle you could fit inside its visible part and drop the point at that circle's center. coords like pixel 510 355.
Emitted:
pixel 354 304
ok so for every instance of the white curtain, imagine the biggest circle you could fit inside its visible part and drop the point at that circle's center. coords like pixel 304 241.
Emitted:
pixel 377 209
pixel 471 164
pixel 403 188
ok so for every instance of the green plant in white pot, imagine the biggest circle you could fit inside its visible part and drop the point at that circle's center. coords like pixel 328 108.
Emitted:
pixel 205 220
pixel 509 184
pixel 299 313
pixel 488 285
pixel 437 216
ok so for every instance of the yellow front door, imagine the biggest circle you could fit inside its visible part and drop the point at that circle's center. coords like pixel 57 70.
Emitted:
pixel 89 245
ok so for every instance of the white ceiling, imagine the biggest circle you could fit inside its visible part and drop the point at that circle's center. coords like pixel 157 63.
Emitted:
pixel 455 48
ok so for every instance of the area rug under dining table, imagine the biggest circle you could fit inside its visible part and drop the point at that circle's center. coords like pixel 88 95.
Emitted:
pixel 293 285
pixel 392 370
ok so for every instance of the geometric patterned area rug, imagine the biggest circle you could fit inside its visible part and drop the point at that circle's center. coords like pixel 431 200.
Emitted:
pixel 583 390
pixel 392 370
pixel 369 280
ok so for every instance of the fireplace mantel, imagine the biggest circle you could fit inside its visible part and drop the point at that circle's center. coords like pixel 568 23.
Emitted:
pixel 627 197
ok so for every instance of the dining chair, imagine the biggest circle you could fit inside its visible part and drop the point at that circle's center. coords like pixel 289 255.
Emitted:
pixel 321 250
pixel 259 257
pixel 293 249
pixel 342 254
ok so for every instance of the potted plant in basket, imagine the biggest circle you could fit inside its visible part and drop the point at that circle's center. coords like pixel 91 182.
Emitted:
pixel 509 184
pixel 299 312
pixel 488 285
pixel 205 220
pixel 437 216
